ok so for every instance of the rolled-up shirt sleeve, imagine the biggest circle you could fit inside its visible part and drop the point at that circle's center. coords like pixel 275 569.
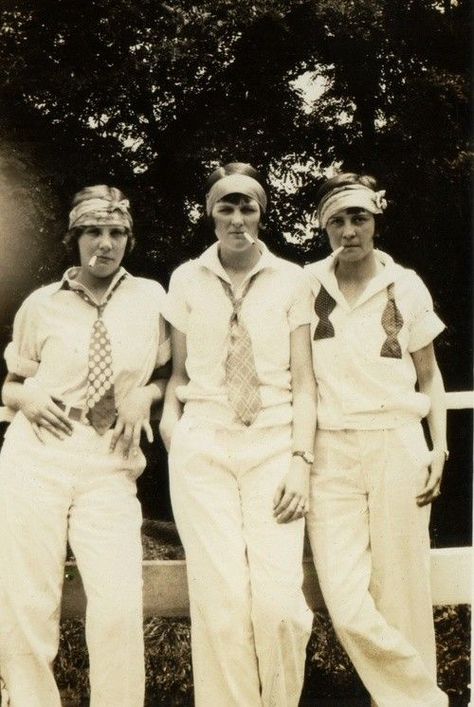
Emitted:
pixel 425 325
pixel 299 312
pixel 176 309
pixel 23 353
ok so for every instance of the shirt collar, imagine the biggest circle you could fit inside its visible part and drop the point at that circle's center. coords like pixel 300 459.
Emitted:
pixel 324 271
pixel 210 260
pixel 69 281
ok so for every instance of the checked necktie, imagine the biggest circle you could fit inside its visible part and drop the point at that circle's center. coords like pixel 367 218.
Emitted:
pixel 100 396
pixel 240 372
pixel 392 322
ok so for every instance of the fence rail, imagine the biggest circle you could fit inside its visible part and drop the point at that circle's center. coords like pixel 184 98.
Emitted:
pixel 165 590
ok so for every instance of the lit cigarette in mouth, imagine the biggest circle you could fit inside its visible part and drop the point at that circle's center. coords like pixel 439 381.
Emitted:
pixel 92 261
pixel 337 252
pixel 249 238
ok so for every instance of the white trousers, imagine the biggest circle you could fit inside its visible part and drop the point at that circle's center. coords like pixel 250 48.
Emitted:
pixel 72 489
pixel 250 622
pixel 371 548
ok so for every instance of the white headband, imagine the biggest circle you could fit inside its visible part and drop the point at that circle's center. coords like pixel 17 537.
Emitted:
pixel 350 196
pixel 101 212
pixel 236 184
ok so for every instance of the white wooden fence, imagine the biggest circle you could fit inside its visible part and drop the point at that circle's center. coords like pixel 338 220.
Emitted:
pixel 165 587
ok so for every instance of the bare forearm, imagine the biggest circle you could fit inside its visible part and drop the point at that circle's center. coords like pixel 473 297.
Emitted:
pixel 434 388
pixel 158 383
pixel 304 390
pixel 13 392
pixel 304 419
pixel 173 407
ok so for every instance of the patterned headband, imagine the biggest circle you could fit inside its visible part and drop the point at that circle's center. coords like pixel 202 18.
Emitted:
pixel 350 196
pixel 236 184
pixel 101 212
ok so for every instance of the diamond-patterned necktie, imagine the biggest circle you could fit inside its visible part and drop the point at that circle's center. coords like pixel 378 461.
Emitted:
pixel 100 396
pixel 392 322
pixel 323 306
pixel 240 372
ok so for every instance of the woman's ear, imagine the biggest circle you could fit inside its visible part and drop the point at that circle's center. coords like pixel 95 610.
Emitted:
pixel 130 244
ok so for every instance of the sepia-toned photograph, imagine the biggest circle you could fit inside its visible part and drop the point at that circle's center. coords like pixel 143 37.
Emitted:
pixel 236 370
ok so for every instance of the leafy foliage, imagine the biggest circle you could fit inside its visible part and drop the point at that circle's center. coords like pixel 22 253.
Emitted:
pixel 329 673
pixel 155 94
pixel 151 95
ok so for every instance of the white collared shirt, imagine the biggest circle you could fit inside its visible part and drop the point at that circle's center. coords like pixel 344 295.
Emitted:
pixel 357 387
pixel 52 330
pixel 277 302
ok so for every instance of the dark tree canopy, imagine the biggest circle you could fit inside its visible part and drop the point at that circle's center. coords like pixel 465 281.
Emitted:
pixel 151 95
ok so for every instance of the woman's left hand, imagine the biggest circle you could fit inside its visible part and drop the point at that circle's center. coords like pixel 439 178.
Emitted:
pixel 133 416
pixel 431 490
pixel 290 501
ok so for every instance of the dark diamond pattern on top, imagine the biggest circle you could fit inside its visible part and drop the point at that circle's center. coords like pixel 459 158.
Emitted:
pixel 392 322
pixel 323 306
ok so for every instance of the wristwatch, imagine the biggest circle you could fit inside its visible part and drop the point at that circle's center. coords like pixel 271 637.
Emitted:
pixel 308 457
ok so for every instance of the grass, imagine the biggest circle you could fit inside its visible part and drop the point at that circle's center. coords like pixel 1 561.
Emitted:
pixel 329 673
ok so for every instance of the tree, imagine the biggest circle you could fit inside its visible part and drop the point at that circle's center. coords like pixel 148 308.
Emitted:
pixel 151 95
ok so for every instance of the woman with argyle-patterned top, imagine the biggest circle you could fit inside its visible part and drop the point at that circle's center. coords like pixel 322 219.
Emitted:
pixel 372 331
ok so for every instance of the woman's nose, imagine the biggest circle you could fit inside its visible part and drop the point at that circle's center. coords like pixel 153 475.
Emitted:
pixel 105 242
pixel 237 216
pixel 348 230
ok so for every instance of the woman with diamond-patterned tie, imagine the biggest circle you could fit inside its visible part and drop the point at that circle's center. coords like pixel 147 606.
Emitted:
pixel 373 478
pixel 82 354
pixel 239 421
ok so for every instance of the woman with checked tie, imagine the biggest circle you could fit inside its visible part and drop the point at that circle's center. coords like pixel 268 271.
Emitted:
pixel 372 332
pixel 239 421
pixel 82 353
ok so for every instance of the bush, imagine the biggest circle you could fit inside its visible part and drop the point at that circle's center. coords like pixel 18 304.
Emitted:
pixel 329 673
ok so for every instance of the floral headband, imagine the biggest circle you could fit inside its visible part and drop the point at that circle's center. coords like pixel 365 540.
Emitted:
pixel 101 212
pixel 350 196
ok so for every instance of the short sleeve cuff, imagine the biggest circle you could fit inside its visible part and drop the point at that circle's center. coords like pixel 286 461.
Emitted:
pixel 16 364
pixel 175 311
pixel 300 310
pixel 425 331
pixel 298 319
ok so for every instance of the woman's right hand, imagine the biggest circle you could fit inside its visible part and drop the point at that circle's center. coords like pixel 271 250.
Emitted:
pixel 43 413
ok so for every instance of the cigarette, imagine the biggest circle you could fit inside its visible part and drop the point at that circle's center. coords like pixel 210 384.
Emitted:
pixel 92 261
pixel 337 252
pixel 249 238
